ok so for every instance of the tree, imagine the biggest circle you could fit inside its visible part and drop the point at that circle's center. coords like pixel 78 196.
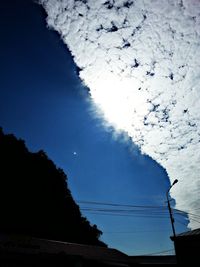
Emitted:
pixel 35 198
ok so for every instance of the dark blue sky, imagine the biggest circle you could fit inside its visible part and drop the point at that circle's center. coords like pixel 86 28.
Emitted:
pixel 43 102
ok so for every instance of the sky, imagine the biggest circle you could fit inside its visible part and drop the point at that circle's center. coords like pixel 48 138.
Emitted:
pixel 143 74
pixel 44 100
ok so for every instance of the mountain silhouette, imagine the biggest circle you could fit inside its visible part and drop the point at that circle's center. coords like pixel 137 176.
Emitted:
pixel 35 199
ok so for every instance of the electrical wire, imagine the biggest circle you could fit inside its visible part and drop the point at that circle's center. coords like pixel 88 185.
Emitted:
pixel 157 253
pixel 117 204
pixel 134 232
pixel 138 211
pixel 127 210
pixel 103 208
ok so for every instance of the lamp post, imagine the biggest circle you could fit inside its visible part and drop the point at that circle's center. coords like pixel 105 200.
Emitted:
pixel 171 215
pixel 169 207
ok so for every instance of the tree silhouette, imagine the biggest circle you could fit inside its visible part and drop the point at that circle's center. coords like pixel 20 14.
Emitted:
pixel 35 198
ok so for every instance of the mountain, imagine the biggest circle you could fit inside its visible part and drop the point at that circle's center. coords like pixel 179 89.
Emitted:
pixel 35 199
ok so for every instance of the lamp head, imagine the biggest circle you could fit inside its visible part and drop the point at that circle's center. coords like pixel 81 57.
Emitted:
pixel 175 181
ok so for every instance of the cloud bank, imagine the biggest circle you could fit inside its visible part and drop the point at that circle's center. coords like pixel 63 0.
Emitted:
pixel 140 60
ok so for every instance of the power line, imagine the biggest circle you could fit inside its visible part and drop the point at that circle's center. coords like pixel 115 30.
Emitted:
pixel 182 223
pixel 128 210
pixel 128 215
pixel 118 204
pixel 181 212
pixel 192 217
pixel 152 209
pixel 194 220
pixel 157 253
pixel 134 232
pixel 124 210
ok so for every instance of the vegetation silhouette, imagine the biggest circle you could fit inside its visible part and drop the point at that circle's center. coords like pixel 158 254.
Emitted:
pixel 35 199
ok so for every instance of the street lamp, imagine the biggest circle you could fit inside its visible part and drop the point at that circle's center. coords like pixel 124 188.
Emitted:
pixel 171 217
pixel 169 207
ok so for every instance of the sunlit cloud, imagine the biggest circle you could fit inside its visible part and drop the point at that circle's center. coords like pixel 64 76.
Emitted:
pixel 140 61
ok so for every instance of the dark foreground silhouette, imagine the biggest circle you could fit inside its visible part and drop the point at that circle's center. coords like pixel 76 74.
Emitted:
pixel 35 199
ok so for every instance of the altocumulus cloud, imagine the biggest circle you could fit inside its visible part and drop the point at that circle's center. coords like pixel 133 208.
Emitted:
pixel 140 60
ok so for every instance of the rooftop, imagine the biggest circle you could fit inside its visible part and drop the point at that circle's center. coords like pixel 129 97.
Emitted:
pixel 189 234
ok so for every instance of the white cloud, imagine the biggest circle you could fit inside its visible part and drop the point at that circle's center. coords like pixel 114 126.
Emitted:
pixel 140 60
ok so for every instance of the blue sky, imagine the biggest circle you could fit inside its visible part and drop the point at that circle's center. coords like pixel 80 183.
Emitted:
pixel 43 101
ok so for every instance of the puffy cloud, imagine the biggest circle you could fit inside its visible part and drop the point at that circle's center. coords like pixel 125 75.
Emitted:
pixel 140 60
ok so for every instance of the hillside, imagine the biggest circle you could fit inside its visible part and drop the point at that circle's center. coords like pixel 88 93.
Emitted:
pixel 35 198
